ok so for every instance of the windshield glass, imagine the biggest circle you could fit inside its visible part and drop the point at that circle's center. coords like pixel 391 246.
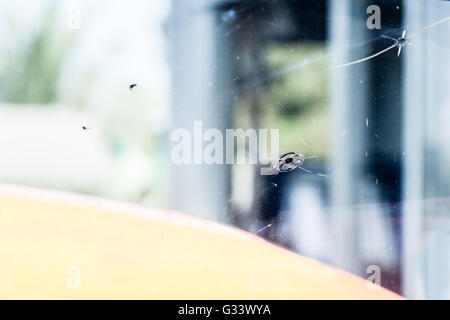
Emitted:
pixel 318 125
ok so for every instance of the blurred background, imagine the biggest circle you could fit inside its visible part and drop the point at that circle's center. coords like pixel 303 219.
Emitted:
pixel 378 193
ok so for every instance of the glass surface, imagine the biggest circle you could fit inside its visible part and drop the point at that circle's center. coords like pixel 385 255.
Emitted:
pixel 99 97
